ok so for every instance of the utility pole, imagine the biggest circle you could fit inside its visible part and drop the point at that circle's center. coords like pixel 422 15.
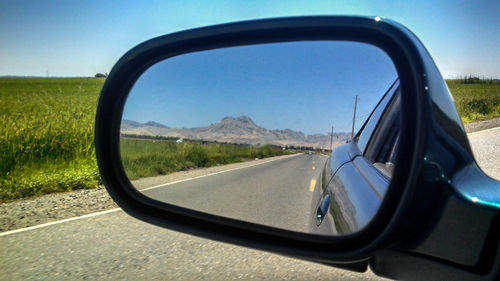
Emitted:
pixel 354 117
pixel 331 140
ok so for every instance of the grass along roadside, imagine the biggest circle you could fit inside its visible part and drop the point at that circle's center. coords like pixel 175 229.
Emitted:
pixel 47 135
pixel 47 140
pixel 476 99
pixel 146 158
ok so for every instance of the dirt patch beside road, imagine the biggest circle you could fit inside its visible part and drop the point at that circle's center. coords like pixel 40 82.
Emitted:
pixel 482 125
pixel 52 207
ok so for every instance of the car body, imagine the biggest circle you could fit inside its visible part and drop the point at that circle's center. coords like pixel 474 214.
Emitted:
pixel 356 177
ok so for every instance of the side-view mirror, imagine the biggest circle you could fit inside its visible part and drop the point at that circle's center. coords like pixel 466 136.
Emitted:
pixel 331 139
pixel 231 132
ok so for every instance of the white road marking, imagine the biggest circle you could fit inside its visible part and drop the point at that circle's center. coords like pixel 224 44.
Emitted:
pixel 119 209
pixel 58 222
pixel 216 173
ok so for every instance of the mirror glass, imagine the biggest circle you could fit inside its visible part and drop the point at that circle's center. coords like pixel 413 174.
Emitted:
pixel 247 133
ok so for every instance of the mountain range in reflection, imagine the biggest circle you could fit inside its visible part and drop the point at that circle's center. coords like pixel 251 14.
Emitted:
pixel 241 130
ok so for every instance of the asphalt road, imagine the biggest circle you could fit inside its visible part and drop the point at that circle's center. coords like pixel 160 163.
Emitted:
pixel 277 193
pixel 486 148
pixel 113 245
pixel 116 246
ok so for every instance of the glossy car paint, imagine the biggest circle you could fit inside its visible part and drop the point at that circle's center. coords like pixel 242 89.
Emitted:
pixel 352 185
pixel 453 227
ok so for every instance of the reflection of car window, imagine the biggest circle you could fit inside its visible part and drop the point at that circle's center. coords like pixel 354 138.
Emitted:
pixel 366 132
pixel 384 142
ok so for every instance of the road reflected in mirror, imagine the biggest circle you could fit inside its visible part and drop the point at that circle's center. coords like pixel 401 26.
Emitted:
pixel 301 136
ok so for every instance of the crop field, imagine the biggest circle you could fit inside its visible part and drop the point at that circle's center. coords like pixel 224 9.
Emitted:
pixel 477 99
pixel 145 158
pixel 47 136
pixel 47 140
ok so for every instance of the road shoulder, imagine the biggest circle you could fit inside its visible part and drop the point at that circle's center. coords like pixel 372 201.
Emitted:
pixel 53 207
pixel 482 125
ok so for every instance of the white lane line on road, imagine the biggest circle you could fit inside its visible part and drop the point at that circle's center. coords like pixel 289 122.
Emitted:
pixel 216 173
pixel 58 222
pixel 119 209
pixel 484 131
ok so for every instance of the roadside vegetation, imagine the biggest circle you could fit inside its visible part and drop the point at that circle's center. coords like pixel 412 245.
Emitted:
pixel 47 136
pixel 47 140
pixel 146 158
pixel 476 99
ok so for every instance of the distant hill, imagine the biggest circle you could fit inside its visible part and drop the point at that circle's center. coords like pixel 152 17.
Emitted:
pixel 234 130
pixel 154 124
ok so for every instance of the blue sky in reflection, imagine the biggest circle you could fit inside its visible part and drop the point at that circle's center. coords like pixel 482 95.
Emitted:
pixel 303 86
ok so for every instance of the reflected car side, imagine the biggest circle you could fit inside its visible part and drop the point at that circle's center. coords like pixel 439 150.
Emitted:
pixel 355 179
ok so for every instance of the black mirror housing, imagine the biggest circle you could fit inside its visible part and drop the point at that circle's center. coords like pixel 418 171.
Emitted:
pixel 425 187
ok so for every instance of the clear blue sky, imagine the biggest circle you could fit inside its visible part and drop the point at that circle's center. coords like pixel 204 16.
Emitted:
pixel 81 38
pixel 303 86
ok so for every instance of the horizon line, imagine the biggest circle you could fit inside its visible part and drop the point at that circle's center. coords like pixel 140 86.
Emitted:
pixel 144 124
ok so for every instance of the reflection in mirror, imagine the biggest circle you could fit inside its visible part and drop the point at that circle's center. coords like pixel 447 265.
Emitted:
pixel 248 133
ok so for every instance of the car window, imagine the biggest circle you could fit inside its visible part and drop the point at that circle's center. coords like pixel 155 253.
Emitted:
pixel 384 142
pixel 363 137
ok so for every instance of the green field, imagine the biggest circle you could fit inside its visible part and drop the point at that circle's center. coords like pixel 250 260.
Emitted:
pixel 145 158
pixel 47 140
pixel 476 100
pixel 47 133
